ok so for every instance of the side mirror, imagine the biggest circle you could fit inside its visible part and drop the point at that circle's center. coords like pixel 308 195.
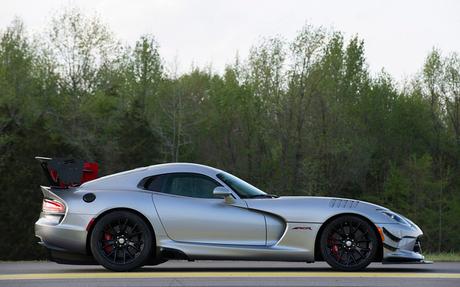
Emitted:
pixel 222 191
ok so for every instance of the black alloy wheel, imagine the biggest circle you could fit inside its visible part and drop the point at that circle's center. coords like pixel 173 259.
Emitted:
pixel 349 243
pixel 121 241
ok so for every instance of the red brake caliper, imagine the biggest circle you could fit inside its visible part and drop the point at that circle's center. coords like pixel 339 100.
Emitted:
pixel 334 248
pixel 107 248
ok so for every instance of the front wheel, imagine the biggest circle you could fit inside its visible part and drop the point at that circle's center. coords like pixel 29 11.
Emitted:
pixel 121 241
pixel 349 243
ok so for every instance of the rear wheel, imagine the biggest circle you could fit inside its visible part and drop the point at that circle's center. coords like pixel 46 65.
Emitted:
pixel 349 243
pixel 121 241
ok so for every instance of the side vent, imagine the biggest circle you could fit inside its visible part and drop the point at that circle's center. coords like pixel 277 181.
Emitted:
pixel 343 203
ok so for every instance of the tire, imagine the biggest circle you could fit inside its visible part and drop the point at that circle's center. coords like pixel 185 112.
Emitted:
pixel 349 243
pixel 121 241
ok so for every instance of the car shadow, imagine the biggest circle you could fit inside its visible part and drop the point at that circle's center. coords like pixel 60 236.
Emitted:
pixel 278 269
pixel 383 269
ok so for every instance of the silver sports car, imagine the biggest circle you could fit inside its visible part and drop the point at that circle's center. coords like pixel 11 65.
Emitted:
pixel 149 215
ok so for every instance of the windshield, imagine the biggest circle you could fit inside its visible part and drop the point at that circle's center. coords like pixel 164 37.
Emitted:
pixel 241 187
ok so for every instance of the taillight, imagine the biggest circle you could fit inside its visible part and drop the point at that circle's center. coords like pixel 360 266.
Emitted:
pixel 53 206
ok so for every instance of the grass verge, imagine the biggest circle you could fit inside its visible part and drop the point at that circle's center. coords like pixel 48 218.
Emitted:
pixel 443 257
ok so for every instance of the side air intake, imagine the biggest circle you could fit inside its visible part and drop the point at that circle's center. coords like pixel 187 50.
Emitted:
pixel 343 203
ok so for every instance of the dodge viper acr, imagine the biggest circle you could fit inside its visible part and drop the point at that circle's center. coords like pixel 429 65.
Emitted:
pixel 149 215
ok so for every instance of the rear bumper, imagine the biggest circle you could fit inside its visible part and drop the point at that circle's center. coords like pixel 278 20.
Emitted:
pixel 66 235
pixel 402 244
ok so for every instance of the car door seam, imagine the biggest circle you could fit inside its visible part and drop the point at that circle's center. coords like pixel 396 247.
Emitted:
pixel 159 217
pixel 266 227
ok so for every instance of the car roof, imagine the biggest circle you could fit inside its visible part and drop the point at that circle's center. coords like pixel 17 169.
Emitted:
pixel 179 165
pixel 130 178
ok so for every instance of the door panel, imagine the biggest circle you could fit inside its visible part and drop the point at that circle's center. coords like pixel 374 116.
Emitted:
pixel 209 220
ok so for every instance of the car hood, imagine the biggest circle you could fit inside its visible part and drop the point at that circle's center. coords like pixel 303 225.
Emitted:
pixel 316 209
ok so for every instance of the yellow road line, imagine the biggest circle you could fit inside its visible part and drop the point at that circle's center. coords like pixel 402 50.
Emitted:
pixel 112 275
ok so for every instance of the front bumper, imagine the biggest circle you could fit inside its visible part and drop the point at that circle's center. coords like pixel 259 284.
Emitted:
pixel 402 244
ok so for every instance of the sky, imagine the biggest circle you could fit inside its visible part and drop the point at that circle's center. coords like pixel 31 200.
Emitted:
pixel 398 35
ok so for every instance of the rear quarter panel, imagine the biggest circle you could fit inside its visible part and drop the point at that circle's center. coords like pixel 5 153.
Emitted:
pixel 107 200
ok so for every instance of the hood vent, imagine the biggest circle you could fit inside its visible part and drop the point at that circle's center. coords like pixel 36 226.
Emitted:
pixel 343 203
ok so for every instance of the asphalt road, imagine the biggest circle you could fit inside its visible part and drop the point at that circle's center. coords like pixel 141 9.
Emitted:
pixel 228 273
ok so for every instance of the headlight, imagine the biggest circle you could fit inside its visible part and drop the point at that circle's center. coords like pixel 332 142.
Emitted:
pixel 395 217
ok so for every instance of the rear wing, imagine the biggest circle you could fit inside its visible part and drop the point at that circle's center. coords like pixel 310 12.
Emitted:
pixel 61 172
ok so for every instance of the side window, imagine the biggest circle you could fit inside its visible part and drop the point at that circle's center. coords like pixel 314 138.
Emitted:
pixel 184 184
pixel 154 183
pixel 192 185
